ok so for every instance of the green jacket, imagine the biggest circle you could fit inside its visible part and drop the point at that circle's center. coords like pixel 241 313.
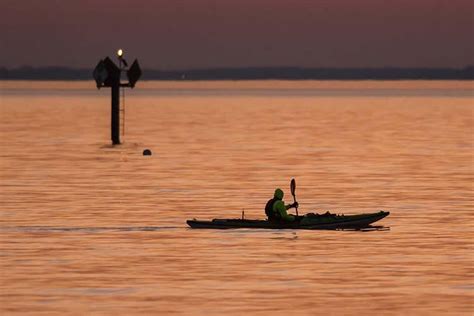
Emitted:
pixel 279 207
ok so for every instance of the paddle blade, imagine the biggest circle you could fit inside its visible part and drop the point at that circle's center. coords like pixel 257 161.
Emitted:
pixel 293 187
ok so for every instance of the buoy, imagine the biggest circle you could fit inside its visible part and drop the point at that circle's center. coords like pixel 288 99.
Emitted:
pixel 147 152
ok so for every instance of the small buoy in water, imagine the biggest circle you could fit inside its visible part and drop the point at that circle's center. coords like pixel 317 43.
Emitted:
pixel 147 152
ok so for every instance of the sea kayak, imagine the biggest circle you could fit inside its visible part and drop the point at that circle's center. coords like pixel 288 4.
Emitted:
pixel 309 221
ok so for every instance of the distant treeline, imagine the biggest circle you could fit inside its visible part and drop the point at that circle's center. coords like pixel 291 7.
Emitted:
pixel 250 73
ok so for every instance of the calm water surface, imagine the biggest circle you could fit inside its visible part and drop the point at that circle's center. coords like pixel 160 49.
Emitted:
pixel 91 228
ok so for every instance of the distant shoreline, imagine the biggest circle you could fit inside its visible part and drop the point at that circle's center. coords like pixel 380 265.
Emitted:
pixel 251 73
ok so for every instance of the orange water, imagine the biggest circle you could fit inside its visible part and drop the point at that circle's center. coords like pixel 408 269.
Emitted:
pixel 91 228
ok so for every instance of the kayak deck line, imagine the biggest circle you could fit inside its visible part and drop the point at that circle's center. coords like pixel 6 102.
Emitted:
pixel 311 222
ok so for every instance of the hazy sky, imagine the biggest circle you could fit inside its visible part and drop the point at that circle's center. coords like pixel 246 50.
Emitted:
pixel 170 34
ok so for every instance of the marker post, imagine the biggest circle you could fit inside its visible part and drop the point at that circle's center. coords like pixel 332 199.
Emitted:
pixel 107 74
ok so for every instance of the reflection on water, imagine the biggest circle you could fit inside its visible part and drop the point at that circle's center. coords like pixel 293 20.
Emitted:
pixel 81 229
pixel 87 227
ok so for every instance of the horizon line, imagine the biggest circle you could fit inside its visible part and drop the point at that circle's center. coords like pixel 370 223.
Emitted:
pixel 248 67
pixel 251 73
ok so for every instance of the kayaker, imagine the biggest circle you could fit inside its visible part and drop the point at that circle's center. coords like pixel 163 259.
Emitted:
pixel 276 208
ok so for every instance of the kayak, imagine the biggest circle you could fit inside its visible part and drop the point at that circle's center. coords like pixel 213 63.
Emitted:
pixel 309 221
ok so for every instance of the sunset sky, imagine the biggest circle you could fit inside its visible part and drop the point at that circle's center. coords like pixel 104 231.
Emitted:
pixel 170 34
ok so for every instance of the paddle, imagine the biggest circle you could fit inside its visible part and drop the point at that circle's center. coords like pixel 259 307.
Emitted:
pixel 293 189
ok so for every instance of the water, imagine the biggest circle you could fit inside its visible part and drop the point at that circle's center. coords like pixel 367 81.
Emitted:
pixel 91 228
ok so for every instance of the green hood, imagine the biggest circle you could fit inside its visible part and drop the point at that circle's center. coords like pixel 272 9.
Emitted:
pixel 278 194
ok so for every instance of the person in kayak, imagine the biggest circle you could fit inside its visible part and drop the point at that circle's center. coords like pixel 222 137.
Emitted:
pixel 276 208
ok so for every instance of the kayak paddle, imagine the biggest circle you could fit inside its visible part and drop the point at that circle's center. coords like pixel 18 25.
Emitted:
pixel 293 189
